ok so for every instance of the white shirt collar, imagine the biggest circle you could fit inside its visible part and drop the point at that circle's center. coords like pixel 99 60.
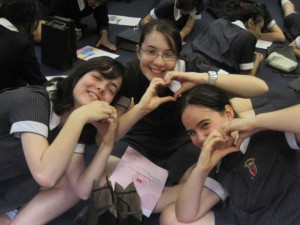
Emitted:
pixel 244 145
pixel 4 22
pixel 240 24
pixel 81 4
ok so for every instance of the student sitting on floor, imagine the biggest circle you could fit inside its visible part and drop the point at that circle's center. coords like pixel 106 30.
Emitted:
pixel 77 10
pixel 19 65
pixel 253 163
pixel 229 44
pixel 184 13
pixel 43 134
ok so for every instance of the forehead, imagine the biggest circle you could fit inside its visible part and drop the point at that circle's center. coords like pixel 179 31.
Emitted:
pixel 193 113
pixel 156 39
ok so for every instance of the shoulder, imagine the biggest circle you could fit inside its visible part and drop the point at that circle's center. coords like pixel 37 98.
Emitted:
pixel 29 97
pixel 246 38
pixel 165 6
pixel 12 37
pixel 131 79
pixel 166 3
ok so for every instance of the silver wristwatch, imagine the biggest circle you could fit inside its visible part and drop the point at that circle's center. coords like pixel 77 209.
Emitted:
pixel 212 77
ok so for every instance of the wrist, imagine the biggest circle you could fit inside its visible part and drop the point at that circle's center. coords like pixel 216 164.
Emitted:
pixel 212 77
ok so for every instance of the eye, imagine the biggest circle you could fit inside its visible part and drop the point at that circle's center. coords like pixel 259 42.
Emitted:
pixel 191 133
pixel 169 54
pixel 97 77
pixel 204 126
pixel 112 90
pixel 151 51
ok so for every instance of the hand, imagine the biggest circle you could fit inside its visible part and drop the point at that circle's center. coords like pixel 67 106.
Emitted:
pixel 244 126
pixel 258 57
pixel 106 129
pixel 214 148
pixel 95 111
pixel 78 33
pixel 104 41
pixel 186 79
pixel 150 99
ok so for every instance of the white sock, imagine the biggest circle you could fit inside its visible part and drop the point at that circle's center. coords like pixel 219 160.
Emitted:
pixel 284 1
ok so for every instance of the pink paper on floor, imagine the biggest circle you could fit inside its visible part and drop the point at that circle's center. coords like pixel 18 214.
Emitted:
pixel 149 179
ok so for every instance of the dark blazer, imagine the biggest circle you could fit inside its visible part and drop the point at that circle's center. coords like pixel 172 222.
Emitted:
pixel 18 63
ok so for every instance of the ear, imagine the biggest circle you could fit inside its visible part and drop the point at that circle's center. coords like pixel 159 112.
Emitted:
pixel 229 112
pixel 138 51
pixel 249 23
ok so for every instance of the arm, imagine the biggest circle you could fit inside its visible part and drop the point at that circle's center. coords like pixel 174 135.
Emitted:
pixel 81 177
pixel 101 17
pixel 285 120
pixel 234 84
pixel 146 19
pixel 195 200
pixel 275 34
pixel 188 27
pixel 258 59
pixel 41 156
pixel 295 44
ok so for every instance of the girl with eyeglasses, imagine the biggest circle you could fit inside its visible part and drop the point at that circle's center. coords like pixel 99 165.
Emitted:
pixel 152 125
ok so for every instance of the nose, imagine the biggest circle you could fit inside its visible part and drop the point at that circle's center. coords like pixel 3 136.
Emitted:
pixel 159 59
pixel 199 139
pixel 101 88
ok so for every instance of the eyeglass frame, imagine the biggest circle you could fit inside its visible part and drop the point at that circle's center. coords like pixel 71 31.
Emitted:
pixel 154 56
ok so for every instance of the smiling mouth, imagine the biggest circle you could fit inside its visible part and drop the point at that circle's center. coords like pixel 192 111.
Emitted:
pixel 157 71
pixel 93 96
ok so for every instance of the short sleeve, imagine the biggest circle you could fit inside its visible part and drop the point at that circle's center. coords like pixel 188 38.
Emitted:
pixel 298 42
pixel 30 111
pixel 246 47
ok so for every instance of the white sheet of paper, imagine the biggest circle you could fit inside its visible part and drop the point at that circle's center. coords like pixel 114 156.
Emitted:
pixel 263 44
pixel 88 52
pixel 123 20
pixel 149 179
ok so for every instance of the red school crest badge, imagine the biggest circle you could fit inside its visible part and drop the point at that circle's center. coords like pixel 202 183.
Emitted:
pixel 250 165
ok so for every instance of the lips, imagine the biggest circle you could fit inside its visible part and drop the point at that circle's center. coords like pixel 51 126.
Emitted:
pixel 157 71
pixel 93 96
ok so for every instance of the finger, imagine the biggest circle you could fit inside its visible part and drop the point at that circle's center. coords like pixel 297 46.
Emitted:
pixel 167 99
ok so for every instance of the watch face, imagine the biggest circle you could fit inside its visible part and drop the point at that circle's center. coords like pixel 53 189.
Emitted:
pixel 212 77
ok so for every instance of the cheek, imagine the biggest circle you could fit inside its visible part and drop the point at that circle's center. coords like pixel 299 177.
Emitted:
pixel 145 62
pixel 144 66
pixel 108 98
pixel 170 66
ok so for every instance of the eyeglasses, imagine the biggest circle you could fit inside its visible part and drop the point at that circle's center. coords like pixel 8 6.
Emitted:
pixel 166 55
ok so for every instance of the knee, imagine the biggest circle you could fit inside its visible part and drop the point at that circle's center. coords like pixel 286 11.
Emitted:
pixel 4 219
pixel 167 216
